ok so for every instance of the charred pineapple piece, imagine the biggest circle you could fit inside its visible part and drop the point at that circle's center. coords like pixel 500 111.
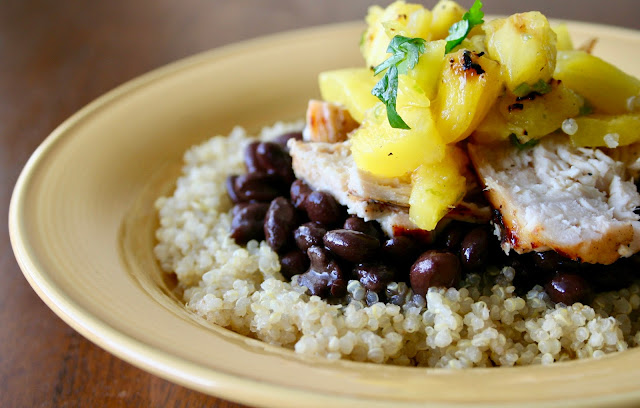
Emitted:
pixel 469 86
pixel 538 115
pixel 529 117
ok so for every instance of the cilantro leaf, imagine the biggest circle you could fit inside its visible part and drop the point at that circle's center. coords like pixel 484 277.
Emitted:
pixel 459 30
pixel 405 55
pixel 387 91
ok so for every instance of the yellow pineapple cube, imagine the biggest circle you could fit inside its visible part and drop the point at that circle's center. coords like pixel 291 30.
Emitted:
pixel 399 18
pixel 445 14
pixel 437 188
pixel 388 152
pixel 495 128
pixel 475 44
pixel 607 88
pixel 525 46
pixel 350 87
pixel 606 130
pixel 469 86
pixel 564 41
pixel 426 72
pixel 540 115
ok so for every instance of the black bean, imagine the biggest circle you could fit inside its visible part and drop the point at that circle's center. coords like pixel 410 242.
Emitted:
pixel 338 288
pixel 527 274
pixel 552 261
pixel 256 187
pixel 374 276
pixel 293 263
pixel 308 235
pixel 248 221
pixel 568 288
pixel 251 159
pixel 324 277
pixel 352 246
pixel 273 159
pixel 299 191
pixel 279 223
pixel 284 138
pixel 230 184
pixel 474 248
pixel 616 276
pixel 452 236
pixel 323 208
pixel 434 269
pixel 400 249
pixel 358 224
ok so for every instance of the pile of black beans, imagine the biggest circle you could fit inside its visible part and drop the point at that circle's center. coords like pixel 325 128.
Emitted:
pixel 316 239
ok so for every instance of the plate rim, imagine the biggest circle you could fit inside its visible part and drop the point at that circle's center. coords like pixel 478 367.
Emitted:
pixel 142 355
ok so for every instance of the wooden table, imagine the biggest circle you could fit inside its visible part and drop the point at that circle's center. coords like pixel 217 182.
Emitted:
pixel 55 57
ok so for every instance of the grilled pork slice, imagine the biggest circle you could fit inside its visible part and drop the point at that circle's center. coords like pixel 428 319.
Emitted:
pixel 330 167
pixel 578 202
pixel 327 122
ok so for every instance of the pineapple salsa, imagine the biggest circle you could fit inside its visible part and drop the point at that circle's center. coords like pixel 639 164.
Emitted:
pixel 516 79
pixel 467 198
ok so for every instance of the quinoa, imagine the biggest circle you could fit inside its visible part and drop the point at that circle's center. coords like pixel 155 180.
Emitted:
pixel 481 324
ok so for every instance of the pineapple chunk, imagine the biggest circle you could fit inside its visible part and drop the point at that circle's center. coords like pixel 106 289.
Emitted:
pixel 607 130
pixel 607 88
pixel 531 117
pixel 495 128
pixel 475 44
pixel 445 14
pixel 437 188
pixel 525 45
pixel 426 72
pixel 469 86
pixel 539 115
pixel 399 18
pixel 350 87
pixel 388 152
pixel 564 42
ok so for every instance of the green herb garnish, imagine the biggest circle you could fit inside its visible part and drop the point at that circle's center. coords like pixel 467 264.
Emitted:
pixel 459 30
pixel 405 54
pixel 541 87
pixel 522 146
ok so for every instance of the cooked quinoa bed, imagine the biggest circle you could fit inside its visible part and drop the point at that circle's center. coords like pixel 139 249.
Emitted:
pixel 483 323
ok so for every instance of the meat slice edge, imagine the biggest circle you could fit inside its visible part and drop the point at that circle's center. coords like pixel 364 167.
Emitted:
pixel 330 167
pixel 578 202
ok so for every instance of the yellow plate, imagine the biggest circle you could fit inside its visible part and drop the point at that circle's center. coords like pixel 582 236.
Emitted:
pixel 81 223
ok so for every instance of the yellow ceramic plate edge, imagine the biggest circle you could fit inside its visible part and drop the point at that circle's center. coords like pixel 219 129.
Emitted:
pixel 135 352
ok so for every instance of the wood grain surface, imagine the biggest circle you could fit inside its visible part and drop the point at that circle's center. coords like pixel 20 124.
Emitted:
pixel 58 55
